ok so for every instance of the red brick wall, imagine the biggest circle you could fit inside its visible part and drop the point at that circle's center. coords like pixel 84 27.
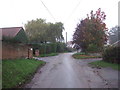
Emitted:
pixel 14 51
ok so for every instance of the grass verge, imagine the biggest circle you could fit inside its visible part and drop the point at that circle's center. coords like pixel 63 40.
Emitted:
pixel 83 56
pixel 46 55
pixel 105 64
pixel 17 72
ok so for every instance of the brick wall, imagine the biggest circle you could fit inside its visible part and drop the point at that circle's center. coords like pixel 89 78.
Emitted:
pixel 14 51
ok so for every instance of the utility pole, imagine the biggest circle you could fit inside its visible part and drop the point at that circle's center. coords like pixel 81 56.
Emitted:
pixel 66 37
pixel 119 14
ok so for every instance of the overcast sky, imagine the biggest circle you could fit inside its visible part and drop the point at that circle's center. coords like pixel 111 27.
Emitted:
pixel 15 13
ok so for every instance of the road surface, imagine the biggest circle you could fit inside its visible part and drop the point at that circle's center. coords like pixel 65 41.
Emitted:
pixel 63 71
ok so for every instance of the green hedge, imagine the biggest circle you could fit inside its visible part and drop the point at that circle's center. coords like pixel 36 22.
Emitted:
pixel 93 48
pixel 47 48
pixel 110 54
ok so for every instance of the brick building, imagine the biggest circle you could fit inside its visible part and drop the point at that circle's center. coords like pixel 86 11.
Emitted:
pixel 14 43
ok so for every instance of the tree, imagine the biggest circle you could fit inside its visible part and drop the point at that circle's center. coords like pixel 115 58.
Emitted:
pixel 91 30
pixel 36 29
pixel 58 33
pixel 79 37
pixel 54 32
pixel 114 34
pixel 40 31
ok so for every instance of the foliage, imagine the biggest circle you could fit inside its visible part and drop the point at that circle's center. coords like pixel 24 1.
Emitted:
pixel 111 54
pixel 83 56
pixel 19 38
pixel 9 39
pixel 16 72
pixel 91 30
pixel 61 47
pixel 40 31
pixel 47 48
pixel 0 74
pixel 54 32
pixel 92 48
pixel 105 64
pixel 35 29
pixel 114 34
pixel 81 53
pixel 46 55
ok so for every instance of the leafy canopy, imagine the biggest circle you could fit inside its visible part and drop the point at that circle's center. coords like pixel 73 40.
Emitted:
pixel 40 31
pixel 91 30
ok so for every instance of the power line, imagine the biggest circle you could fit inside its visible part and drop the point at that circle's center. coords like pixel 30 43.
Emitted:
pixel 48 10
pixel 73 11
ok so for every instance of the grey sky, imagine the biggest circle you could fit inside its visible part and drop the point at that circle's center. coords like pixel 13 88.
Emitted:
pixel 18 12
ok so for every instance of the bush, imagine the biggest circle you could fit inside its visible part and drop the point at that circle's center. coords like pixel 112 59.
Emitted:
pixel 47 48
pixel 93 48
pixel 110 54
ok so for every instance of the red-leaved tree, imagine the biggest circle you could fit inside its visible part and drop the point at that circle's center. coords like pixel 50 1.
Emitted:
pixel 91 31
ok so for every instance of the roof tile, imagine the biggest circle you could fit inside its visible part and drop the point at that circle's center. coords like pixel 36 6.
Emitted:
pixel 11 31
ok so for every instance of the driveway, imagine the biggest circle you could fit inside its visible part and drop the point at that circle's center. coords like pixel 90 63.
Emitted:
pixel 63 71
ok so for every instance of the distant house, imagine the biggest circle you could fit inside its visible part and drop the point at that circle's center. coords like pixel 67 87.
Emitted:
pixel 14 43
pixel 16 34
pixel 116 44
pixel 69 44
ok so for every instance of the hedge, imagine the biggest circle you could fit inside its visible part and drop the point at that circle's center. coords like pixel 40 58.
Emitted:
pixel 93 48
pixel 111 54
pixel 47 48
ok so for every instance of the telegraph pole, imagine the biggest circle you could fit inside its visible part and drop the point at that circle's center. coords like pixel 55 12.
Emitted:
pixel 119 13
pixel 66 37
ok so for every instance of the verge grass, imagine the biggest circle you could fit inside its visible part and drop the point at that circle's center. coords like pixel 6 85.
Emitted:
pixel 17 72
pixel 84 56
pixel 105 64
pixel 47 55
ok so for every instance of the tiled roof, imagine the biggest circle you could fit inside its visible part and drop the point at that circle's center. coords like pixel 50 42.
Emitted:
pixel 10 31
pixel 116 43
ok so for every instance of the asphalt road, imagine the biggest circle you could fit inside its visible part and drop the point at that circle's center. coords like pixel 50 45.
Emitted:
pixel 63 71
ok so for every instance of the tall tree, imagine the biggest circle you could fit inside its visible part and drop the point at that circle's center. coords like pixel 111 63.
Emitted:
pixel 91 30
pixel 36 29
pixel 54 32
pixel 58 33
pixel 40 31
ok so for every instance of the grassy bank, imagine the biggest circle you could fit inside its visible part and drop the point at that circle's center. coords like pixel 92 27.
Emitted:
pixel 46 55
pixel 17 72
pixel 0 74
pixel 105 64
pixel 84 56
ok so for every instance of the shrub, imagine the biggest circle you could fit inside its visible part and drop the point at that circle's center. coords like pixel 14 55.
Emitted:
pixel 93 48
pixel 110 54
pixel 47 48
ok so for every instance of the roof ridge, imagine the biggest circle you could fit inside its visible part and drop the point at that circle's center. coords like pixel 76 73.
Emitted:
pixel 11 31
pixel 10 27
